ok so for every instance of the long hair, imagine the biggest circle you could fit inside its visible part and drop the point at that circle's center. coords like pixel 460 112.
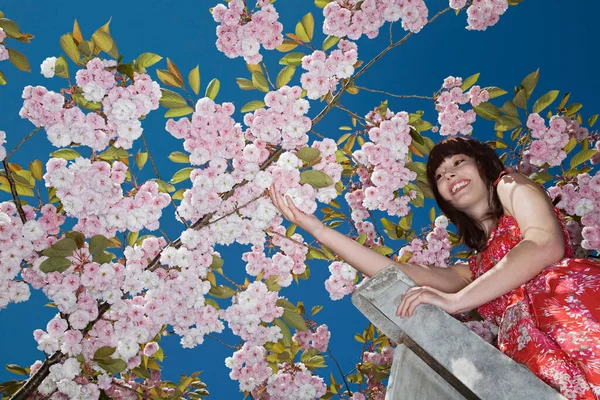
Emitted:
pixel 470 231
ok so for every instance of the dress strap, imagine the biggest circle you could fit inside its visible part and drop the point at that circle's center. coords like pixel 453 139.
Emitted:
pixel 502 173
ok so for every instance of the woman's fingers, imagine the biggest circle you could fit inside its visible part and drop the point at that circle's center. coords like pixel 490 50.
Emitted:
pixel 292 206
pixel 410 300
pixel 282 204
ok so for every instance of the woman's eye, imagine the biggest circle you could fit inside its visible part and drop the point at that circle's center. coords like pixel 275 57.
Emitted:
pixel 438 176
pixel 458 162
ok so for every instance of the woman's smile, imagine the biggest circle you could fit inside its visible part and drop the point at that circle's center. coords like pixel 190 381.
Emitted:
pixel 458 185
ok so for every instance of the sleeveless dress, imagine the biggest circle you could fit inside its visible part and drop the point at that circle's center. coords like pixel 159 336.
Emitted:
pixel 551 323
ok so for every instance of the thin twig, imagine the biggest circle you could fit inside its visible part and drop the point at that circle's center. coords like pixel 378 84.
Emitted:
pixel 267 75
pixel 353 114
pixel 350 82
pixel 222 342
pixel 26 138
pixel 341 372
pixel 158 176
pixel 400 96
pixel 13 190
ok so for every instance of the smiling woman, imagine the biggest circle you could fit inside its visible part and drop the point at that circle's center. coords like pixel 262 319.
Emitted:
pixel 524 279
pixel 268 127
pixel 456 163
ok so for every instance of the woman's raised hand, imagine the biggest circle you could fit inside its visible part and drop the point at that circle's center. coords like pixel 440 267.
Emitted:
pixel 309 223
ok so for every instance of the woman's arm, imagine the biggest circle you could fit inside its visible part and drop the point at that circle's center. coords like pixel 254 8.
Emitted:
pixel 542 245
pixel 368 261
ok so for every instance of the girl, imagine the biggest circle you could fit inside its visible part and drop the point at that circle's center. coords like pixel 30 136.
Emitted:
pixel 545 303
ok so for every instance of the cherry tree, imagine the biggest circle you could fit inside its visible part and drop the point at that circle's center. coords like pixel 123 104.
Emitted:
pixel 82 227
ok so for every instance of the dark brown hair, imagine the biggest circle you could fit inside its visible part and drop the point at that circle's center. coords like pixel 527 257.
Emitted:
pixel 471 232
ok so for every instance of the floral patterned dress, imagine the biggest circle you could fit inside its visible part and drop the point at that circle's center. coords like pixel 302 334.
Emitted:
pixel 551 323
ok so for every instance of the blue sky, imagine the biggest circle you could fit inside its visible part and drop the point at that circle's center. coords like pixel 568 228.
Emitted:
pixel 559 39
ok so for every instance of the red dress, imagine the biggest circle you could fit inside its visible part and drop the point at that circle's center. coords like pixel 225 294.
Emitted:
pixel 551 323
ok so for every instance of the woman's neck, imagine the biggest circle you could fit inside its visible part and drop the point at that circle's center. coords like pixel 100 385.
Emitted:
pixel 485 217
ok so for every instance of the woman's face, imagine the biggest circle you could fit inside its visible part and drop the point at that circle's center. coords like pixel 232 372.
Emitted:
pixel 459 183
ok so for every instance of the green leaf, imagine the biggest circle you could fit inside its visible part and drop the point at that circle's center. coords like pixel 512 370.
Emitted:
pixel 322 3
pixel 287 45
pixel 329 42
pixel 487 111
pixel 179 112
pixel 285 76
pixel 495 91
pixel 422 126
pixel 312 359
pixel 417 167
pixel 285 331
pixel 70 47
pixel 179 157
pixel 83 102
pixel 140 159
pixel 132 237
pixel 291 315
pixel 181 175
pixel 113 366
pixel 570 145
pixel 106 43
pixel 572 109
pixel 77 237
pixel 506 123
pixel 582 157
pixel 315 178
pixel 529 83
pixel 146 60
pixel 178 195
pixel 221 292
pixel 163 186
pixel 10 28
pixel 315 310
pixel 2 78
pixel 127 69
pixel 259 81
pixel 194 79
pixel 301 33
pixel 470 81
pixel 308 154
pixel 37 169
pixel 104 352
pixel 406 222
pixel 16 369
pixel 382 250
pixel 520 99
pixel 213 89
pixel 509 108
pixel 170 99
pixel 61 68
pixel 308 23
pixel 293 59
pixel 103 257
pixel 545 101
pixel 289 232
pixel 245 84
pixel 592 120
pixel 98 244
pixel 113 153
pixel 253 106
pixel 541 177
pixel 416 137
pixel 55 264
pixel 62 248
